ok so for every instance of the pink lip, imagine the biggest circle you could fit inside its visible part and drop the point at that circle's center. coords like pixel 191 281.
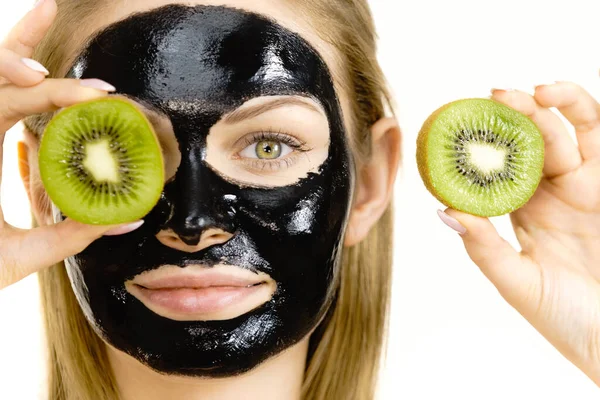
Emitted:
pixel 198 301
pixel 204 280
pixel 199 292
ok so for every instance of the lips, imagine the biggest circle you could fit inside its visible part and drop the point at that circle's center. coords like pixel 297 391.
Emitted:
pixel 199 293
pixel 197 281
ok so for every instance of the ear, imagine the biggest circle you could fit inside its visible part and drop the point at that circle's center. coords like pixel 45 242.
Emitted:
pixel 28 169
pixel 375 180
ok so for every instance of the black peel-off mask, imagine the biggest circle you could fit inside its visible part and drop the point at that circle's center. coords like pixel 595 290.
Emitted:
pixel 196 64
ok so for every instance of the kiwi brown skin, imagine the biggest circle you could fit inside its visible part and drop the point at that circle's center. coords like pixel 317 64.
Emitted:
pixel 422 155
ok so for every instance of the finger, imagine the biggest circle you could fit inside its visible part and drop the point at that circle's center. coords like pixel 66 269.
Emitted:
pixel 45 246
pixel 20 71
pixel 50 95
pixel 580 109
pixel 517 281
pixel 2 137
pixel 31 29
pixel 561 153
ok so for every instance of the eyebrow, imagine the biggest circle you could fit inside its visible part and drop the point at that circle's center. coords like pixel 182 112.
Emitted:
pixel 245 113
pixel 155 115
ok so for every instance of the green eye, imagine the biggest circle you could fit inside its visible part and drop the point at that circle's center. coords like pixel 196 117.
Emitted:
pixel 268 149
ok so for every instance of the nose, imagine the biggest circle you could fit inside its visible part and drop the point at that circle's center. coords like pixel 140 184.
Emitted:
pixel 201 213
pixel 209 237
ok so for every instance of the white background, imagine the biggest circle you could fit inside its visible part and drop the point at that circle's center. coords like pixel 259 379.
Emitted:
pixel 452 336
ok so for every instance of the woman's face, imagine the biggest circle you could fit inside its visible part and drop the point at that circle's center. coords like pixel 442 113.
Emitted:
pixel 258 191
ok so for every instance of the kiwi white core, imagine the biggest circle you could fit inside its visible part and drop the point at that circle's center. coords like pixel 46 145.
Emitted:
pixel 100 162
pixel 487 158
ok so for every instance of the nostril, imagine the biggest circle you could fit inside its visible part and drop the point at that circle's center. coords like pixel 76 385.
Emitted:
pixel 194 242
pixel 218 238
pixel 172 240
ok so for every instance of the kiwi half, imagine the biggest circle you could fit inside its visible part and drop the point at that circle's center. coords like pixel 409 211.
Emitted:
pixel 480 157
pixel 101 162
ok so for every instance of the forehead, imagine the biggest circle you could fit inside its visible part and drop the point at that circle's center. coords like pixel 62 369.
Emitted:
pixel 286 13
pixel 179 53
pixel 289 14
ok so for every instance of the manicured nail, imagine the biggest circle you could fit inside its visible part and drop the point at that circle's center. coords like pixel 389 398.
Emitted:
pixel 123 229
pixel 97 84
pixel 34 65
pixel 451 222
pixel 544 84
pixel 37 4
pixel 496 90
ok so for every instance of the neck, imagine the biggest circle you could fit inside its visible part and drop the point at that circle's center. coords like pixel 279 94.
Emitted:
pixel 279 378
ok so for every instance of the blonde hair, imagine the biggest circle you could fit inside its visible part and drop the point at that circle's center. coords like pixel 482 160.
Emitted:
pixel 346 351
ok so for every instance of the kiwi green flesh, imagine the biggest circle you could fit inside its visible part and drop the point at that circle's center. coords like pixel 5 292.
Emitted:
pixel 101 162
pixel 483 158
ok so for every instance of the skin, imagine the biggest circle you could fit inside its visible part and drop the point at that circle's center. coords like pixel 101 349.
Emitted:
pixel 280 377
pixel 226 80
pixel 555 273
pixel 554 281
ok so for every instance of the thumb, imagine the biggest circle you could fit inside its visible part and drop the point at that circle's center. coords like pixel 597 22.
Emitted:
pixel 516 277
pixel 42 247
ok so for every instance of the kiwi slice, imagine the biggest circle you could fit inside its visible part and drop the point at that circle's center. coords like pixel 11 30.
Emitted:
pixel 480 156
pixel 101 162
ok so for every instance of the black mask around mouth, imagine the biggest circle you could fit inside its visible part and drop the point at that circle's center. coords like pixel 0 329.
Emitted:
pixel 196 64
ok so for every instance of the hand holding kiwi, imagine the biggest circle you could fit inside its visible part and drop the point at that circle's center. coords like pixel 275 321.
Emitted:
pixel 554 281
pixel 25 91
pixel 101 162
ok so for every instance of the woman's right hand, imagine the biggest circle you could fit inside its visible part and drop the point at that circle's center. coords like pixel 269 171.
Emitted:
pixel 25 91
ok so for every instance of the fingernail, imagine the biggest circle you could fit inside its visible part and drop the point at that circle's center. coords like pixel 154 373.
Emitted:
pixel 34 65
pixel 495 90
pixel 37 4
pixel 123 229
pixel 452 223
pixel 97 84
pixel 544 84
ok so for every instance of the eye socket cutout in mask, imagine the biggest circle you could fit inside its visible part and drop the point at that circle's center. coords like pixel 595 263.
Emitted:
pixel 269 141
pixel 164 131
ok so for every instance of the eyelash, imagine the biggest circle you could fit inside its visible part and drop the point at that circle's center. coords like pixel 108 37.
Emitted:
pixel 275 136
pixel 295 144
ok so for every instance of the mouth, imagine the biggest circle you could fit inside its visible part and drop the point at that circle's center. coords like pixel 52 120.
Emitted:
pixel 197 293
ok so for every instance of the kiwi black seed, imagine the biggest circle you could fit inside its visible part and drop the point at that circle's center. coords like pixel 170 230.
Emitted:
pixel 480 156
pixel 101 162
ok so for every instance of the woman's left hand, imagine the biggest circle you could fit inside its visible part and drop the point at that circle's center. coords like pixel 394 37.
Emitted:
pixel 554 282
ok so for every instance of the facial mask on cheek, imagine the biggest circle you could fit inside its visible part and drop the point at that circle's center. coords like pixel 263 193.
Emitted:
pixel 196 64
